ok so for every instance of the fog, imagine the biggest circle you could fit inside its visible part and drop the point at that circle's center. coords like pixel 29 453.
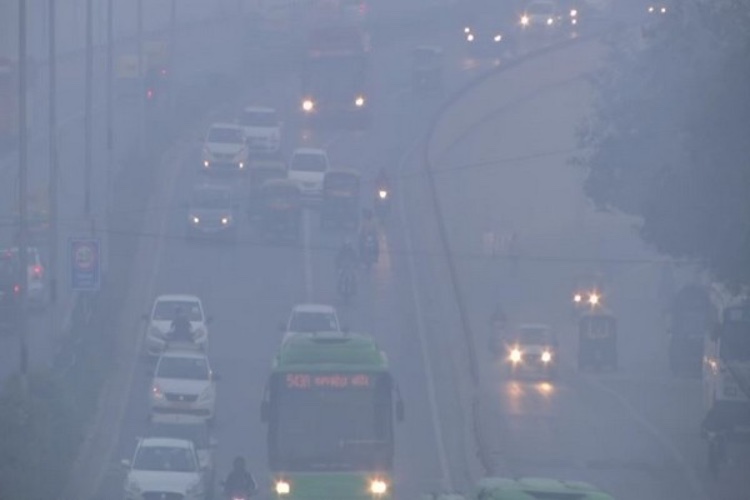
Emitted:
pixel 554 286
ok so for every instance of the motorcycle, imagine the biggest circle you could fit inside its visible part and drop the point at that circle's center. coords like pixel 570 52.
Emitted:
pixel 347 283
pixel 382 203
pixel 369 249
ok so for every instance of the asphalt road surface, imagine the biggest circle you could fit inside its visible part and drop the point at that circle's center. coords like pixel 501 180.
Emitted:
pixel 500 165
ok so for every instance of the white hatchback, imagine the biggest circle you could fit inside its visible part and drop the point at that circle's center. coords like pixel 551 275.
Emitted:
pixel 164 468
pixel 183 383
pixel 308 167
pixel 312 318
pixel 225 149
pixel 163 312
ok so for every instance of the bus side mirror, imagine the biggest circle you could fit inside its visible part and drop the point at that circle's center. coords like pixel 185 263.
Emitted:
pixel 400 411
pixel 264 412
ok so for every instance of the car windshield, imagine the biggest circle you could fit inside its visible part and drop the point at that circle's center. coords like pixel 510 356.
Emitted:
pixel 164 459
pixel 197 433
pixel 211 198
pixel 225 135
pixel 313 322
pixel 534 336
pixel 308 162
pixel 166 310
pixel 258 118
pixel 183 368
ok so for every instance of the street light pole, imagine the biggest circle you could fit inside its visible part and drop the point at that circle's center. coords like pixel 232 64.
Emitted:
pixel 142 80
pixel 23 257
pixel 110 104
pixel 53 160
pixel 88 102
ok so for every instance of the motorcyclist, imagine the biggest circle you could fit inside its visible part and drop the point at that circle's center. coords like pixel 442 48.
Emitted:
pixel 347 256
pixel 367 230
pixel 181 327
pixel 240 480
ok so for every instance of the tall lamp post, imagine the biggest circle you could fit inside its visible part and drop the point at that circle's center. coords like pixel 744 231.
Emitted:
pixel 53 159
pixel 23 257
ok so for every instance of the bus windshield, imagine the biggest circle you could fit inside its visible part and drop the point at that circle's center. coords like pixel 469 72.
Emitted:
pixel 330 425
pixel 335 74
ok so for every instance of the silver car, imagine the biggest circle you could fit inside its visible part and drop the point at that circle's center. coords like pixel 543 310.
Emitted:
pixel 212 211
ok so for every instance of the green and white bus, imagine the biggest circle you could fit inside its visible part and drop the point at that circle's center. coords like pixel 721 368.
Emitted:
pixel 330 405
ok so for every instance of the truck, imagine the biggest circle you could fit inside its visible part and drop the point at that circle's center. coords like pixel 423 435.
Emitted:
pixel 330 406
pixel 334 76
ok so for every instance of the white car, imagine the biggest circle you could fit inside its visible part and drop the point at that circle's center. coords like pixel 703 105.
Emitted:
pixel 184 384
pixel 37 291
pixel 225 149
pixel 164 468
pixel 262 129
pixel 312 318
pixel 308 167
pixel 162 314
pixel 541 14
pixel 532 348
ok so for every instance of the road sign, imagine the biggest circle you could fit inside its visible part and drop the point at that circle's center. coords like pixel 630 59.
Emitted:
pixel 85 264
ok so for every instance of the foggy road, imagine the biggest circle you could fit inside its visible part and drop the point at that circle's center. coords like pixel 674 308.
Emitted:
pixel 502 169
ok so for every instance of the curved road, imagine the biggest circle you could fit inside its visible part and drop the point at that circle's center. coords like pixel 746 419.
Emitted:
pixel 500 162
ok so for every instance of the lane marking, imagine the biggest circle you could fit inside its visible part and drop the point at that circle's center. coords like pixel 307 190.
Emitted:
pixel 446 479
pixel 307 254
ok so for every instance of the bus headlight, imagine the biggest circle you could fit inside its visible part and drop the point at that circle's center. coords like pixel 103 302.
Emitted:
pixel 378 487
pixel 515 355
pixel 308 105
pixel 359 101
pixel 524 20
pixel 546 357
pixel 282 488
pixel 470 37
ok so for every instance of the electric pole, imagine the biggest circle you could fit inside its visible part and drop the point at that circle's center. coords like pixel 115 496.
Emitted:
pixel 88 100
pixel 110 104
pixel 53 160
pixel 23 163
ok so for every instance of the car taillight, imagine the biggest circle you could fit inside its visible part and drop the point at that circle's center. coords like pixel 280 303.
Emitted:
pixel 16 289
pixel 149 94
pixel 37 271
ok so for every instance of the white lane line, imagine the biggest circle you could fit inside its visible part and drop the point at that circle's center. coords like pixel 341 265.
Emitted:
pixel 665 443
pixel 445 480
pixel 307 254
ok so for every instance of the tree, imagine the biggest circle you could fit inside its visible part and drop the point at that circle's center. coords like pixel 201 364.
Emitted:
pixel 670 137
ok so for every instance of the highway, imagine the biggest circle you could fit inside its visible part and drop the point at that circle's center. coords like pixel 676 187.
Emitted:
pixel 499 157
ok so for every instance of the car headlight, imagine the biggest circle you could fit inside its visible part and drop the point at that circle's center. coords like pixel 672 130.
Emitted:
pixel 515 355
pixel 383 194
pixel 525 20
pixel 282 487
pixel 378 487
pixel 359 101
pixel 308 105
pixel 470 37
pixel 573 13
pixel 195 219
pixel 226 220
pixel 206 163
pixel 577 298
pixel 467 30
pixel 594 299
pixel 546 357
pixel 498 38
pixel 550 21
pixel 156 392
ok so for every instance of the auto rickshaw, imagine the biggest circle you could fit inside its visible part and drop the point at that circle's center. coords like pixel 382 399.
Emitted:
pixel 260 172
pixel 597 340
pixel 280 202
pixel 427 68
pixel 340 205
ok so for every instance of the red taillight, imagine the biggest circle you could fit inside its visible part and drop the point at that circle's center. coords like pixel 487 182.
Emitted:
pixel 37 271
pixel 163 72
pixel 16 289
pixel 149 94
